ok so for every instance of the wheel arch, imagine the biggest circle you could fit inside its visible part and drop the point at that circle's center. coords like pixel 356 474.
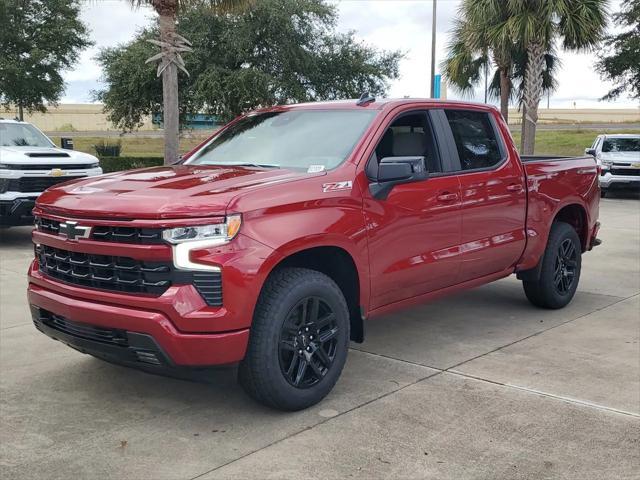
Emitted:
pixel 338 264
pixel 575 215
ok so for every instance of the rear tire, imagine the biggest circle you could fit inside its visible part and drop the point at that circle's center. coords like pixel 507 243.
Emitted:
pixel 299 340
pixel 560 272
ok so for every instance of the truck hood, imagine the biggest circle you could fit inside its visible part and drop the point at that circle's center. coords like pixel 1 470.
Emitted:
pixel 181 191
pixel 44 156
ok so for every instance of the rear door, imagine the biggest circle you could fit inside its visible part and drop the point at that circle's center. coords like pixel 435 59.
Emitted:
pixel 493 195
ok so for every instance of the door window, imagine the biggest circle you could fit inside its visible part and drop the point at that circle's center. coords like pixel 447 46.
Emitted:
pixel 410 135
pixel 475 139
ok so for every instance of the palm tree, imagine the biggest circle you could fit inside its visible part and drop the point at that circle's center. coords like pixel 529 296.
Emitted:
pixel 473 50
pixel 464 69
pixel 171 45
pixel 537 25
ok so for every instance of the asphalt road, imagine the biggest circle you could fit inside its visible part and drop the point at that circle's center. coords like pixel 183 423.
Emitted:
pixel 477 386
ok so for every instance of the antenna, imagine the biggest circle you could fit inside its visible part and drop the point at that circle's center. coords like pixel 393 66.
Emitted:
pixel 365 98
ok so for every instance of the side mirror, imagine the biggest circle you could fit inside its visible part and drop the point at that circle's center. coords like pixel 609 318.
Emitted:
pixel 396 170
pixel 66 143
pixel 590 151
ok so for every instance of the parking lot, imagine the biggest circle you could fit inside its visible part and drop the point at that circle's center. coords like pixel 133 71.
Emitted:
pixel 480 385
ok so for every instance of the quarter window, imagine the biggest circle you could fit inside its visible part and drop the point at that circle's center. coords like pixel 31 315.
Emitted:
pixel 475 139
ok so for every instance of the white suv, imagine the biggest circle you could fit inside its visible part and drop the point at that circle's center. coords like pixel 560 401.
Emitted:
pixel 619 159
pixel 29 164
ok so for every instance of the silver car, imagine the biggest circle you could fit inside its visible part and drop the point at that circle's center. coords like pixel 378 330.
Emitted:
pixel 619 159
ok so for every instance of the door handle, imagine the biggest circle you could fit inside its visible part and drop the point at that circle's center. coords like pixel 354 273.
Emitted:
pixel 447 197
pixel 514 187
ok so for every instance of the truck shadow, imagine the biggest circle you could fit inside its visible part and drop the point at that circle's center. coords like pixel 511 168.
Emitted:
pixel 15 236
pixel 439 335
pixel 623 194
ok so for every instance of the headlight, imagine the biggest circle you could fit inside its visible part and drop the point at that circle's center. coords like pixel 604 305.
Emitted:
pixel 217 233
pixel 94 165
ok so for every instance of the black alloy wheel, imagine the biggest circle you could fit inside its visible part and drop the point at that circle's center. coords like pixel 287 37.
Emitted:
pixel 559 269
pixel 299 340
pixel 565 267
pixel 308 342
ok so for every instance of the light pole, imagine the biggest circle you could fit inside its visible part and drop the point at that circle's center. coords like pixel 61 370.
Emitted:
pixel 433 50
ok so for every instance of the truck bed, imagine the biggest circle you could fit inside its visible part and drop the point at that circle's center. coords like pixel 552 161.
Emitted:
pixel 549 158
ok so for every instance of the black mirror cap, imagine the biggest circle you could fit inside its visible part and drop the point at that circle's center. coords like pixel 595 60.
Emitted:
pixel 397 170
pixel 394 171
pixel 590 151
pixel 66 143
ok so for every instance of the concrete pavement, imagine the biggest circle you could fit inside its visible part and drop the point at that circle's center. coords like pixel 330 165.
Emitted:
pixel 480 385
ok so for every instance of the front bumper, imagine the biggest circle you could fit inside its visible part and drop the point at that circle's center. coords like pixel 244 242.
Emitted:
pixel 146 331
pixel 186 330
pixel 16 211
pixel 609 180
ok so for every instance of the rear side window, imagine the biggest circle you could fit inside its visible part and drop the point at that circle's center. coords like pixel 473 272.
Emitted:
pixel 475 139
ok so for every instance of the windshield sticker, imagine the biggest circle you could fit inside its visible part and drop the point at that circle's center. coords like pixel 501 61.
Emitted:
pixel 337 186
pixel 315 168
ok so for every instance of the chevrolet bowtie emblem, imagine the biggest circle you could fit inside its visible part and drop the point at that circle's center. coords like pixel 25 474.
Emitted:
pixel 73 231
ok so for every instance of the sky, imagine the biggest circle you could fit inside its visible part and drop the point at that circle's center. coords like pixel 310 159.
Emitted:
pixel 386 24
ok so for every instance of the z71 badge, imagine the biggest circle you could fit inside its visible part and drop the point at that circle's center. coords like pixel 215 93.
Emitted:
pixel 337 186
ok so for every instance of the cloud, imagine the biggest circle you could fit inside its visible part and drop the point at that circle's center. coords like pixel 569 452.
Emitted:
pixel 110 22
pixel 387 24
pixel 406 25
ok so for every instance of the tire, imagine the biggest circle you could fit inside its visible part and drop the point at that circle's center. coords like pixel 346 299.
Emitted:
pixel 299 340
pixel 560 271
pixel 603 193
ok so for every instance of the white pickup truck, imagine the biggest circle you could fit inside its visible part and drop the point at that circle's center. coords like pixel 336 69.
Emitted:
pixel 619 160
pixel 29 164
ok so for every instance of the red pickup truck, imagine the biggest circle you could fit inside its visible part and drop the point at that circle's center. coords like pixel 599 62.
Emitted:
pixel 272 242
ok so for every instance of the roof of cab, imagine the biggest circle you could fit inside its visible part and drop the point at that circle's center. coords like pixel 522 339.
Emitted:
pixel 376 104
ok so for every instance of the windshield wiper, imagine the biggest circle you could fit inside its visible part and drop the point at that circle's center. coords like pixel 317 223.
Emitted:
pixel 258 165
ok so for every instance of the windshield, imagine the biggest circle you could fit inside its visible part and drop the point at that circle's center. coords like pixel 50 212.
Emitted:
pixel 631 144
pixel 312 140
pixel 22 135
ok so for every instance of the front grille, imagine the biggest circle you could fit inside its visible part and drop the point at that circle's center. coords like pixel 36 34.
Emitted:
pixel 109 336
pixel 126 234
pixel 123 274
pixel 108 233
pixel 35 166
pixel 104 272
pixel 35 184
pixel 634 172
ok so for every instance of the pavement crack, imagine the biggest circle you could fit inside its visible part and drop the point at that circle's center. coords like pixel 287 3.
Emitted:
pixel 571 400
pixel 322 422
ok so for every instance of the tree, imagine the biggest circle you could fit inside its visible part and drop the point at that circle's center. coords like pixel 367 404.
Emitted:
pixel 171 45
pixel 38 40
pixel 278 51
pixel 537 25
pixel 471 52
pixel 622 66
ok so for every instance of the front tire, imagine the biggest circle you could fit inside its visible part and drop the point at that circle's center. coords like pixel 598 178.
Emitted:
pixel 560 272
pixel 299 340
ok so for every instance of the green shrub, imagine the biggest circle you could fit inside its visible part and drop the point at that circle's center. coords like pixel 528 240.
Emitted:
pixel 66 127
pixel 106 149
pixel 117 164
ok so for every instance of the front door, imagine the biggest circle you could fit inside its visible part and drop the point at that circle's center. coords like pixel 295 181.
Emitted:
pixel 414 232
